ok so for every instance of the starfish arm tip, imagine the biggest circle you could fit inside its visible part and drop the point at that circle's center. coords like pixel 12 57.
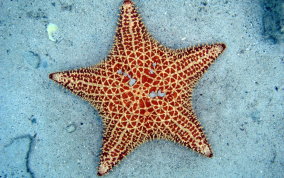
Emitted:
pixel 220 47
pixel 50 75
pixel 53 76
pixel 207 152
pixel 223 46
pixel 56 77
pixel 128 2
pixel 102 170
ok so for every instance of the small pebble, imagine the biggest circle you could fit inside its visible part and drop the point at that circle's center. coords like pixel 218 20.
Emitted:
pixel 71 128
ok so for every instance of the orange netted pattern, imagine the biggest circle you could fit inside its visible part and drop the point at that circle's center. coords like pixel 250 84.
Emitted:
pixel 143 90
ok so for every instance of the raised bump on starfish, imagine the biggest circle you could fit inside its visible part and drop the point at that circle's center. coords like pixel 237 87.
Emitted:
pixel 143 90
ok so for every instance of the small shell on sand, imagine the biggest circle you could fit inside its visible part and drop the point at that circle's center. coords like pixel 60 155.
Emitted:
pixel 51 30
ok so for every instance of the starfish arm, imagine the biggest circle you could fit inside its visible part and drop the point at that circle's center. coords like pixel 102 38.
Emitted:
pixel 199 59
pixel 119 139
pixel 131 38
pixel 185 129
pixel 95 84
pixel 190 64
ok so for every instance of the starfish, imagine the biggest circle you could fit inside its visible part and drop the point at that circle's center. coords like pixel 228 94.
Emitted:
pixel 143 90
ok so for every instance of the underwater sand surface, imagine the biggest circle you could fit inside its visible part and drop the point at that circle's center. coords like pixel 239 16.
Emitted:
pixel 45 131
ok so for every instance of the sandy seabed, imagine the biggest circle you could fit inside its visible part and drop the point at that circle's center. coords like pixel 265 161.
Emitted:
pixel 45 131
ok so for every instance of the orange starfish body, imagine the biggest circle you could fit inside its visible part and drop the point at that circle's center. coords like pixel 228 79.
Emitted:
pixel 142 90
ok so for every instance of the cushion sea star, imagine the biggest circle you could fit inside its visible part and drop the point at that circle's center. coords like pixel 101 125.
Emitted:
pixel 143 90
